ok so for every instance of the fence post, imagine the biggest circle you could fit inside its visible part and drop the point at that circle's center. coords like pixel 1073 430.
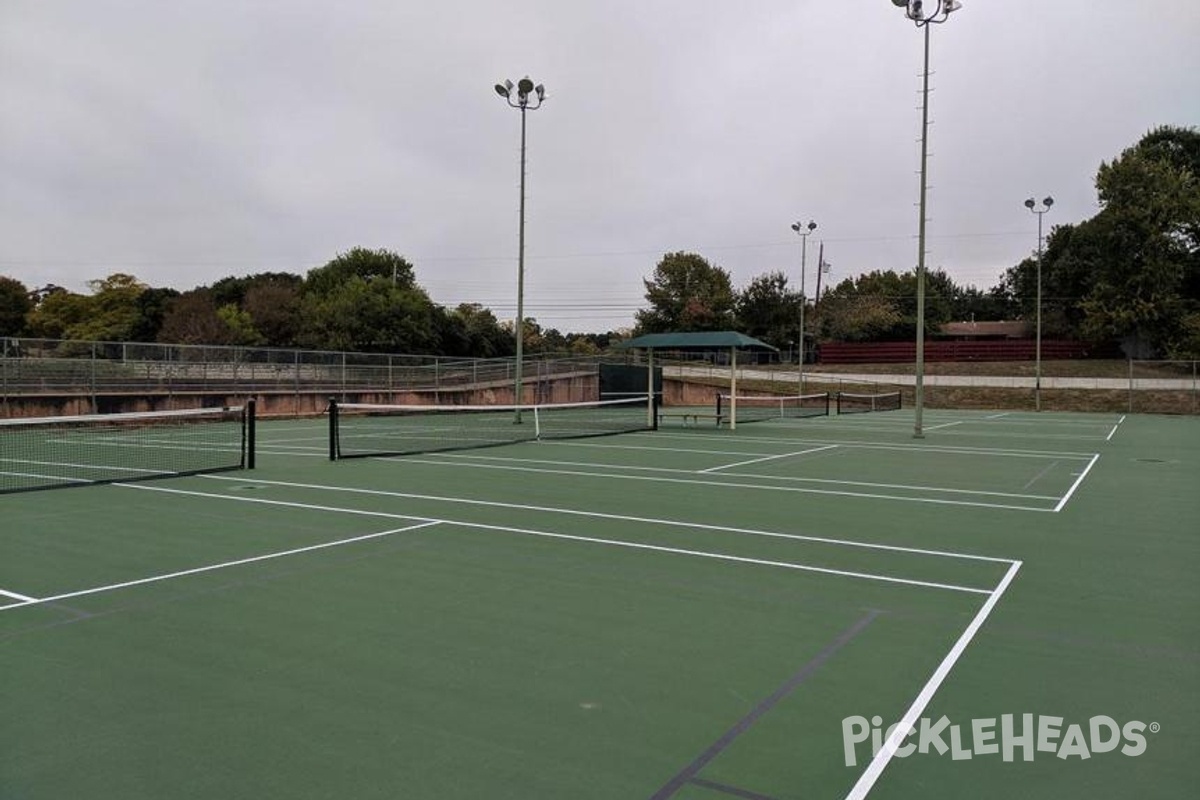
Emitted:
pixel 4 376
pixel 95 403
pixel 296 380
pixel 1130 408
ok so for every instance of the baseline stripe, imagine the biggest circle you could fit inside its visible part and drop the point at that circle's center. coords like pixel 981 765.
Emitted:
pixel 1075 485
pixel 871 774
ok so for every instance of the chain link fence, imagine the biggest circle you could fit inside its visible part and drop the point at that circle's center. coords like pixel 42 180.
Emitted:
pixel 56 368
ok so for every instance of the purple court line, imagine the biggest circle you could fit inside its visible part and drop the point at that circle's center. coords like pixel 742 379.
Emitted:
pixel 688 773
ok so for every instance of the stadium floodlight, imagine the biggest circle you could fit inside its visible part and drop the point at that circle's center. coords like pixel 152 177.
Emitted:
pixel 803 230
pixel 522 104
pixel 915 11
pixel 1037 381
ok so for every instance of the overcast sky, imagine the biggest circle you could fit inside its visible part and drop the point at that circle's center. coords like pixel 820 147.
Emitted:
pixel 186 140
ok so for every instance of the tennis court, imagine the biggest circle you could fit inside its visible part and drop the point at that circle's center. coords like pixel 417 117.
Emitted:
pixel 689 612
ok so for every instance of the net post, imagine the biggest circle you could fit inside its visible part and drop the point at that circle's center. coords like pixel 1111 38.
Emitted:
pixel 827 404
pixel 655 404
pixel 251 414
pixel 333 429
pixel 537 423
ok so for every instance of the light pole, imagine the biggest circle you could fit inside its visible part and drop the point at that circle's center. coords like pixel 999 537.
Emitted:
pixel 914 10
pixel 1037 384
pixel 803 230
pixel 524 88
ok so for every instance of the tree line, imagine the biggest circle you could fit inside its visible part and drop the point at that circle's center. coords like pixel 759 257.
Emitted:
pixel 1129 274
pixel 362 301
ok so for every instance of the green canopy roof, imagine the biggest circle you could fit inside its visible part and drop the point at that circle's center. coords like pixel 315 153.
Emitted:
pixel 702 340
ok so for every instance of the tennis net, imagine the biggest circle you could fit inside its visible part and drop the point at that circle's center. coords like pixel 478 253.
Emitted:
pixel 855 403
pixel 358 430
pixel 57 452
pixel 754 408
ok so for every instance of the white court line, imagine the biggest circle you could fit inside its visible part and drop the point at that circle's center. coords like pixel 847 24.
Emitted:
pixel 727 484
pixel 998 416
pixel 74 466
pixel 45 477
pixel 916 448
pixel 766 458
pixel 156 578
pixel 1114 429
pixel 1075 485
pixel 24 598
pixel 525 532
pixel 458 457
pixel 909 720
pixel 943 425
pixel 670 523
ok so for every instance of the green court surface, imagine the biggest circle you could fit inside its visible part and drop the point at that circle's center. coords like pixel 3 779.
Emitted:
pixel 690 613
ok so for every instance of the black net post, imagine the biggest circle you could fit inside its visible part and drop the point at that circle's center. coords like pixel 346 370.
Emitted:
pixel 250 447
pixel 333 429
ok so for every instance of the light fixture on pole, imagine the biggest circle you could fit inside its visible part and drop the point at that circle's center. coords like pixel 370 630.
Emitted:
pixel 915 11
pixel 1037 384
pixel 524 88
pixel 803 230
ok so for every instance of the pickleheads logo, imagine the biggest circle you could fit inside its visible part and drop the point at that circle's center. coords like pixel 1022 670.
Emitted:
pixel 1028 734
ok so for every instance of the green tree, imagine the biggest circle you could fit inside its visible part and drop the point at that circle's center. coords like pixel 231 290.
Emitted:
pixel 15 304
pixel 235 289
pixel 112 310
pixel 369 315
pixel 361 263
pixel 152 307
pixel 483 335
pixel 275 311
pixel 192 319
pixel 848 316
pixel 239 326
pixel 1130 273
pixel 56 312
pixel 687 294
pixel 882 306
pixel 766 310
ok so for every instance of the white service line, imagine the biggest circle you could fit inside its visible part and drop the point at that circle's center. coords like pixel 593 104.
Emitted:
pixel 529 532
pixel 22 597
pixel 767 458
pixel 726 484
pixel 458 457
pixel 1114 429
pixel 670 523
pixel 1075 485
pixel 998 416
pixel 943 425
pixel 871 774
pixel 156 578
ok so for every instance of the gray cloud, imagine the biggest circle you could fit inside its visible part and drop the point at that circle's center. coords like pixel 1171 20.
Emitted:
pixel 190 140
